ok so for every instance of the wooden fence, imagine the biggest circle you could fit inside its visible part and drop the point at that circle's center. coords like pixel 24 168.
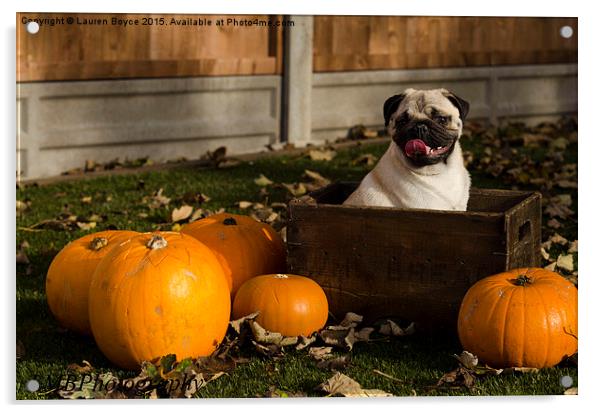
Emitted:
pixel 105 51
pixel 343 43
pixel 340 43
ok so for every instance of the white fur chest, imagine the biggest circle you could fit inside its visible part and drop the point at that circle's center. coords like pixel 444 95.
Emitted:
pixel 393 182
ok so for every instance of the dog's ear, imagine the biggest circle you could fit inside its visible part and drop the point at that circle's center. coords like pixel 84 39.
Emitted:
pixel 391 106
pixel 462 105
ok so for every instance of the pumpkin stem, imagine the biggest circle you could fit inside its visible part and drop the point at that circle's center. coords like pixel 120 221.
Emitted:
pixel 98 243
pixel 280 276
pixel 156 242
pixel 230 221
pixel 522 280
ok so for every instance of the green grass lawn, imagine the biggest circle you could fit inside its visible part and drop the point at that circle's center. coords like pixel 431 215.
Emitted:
pixel 416 361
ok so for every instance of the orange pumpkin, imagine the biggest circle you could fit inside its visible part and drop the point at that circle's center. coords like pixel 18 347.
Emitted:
pixel 157 294
pixel 291 305
pixel 521 318
pixel 244 246
pixel 70 273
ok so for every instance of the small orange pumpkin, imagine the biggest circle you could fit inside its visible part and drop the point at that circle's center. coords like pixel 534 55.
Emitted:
pixel 157 294
pixel 70 273
pixel 525 317
pixel 244 246
pixel 291 305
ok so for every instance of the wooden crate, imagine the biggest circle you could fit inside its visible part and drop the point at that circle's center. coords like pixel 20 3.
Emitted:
pixel 410 264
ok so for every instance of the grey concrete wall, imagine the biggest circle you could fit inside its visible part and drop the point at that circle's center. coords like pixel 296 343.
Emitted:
pixel 61 124
pixel 496 94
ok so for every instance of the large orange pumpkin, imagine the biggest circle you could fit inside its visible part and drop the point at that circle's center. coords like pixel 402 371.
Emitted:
pixel 244 246
pixel 521 318
pixel 70 273
pixel 291 305
pixel 159 293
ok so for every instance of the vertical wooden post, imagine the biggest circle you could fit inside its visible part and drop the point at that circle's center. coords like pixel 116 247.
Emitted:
pixel 297 80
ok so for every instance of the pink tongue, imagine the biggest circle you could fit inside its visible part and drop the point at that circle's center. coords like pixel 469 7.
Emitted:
pixel 416 147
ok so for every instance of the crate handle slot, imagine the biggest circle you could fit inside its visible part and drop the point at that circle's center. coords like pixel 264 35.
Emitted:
pixel 524 230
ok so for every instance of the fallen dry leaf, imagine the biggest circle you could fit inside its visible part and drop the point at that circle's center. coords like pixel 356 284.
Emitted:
pixel 351 320
pixel 565 262
pixel 86 226
pixel 237 324
pixel 390 328
pixel 244 204
pixel 197 214
pixel 264 336
pixel 320 353
pixel 524 370
pixel 467 359
pixel 305 342
pixel 572 391
pixel 217 156
pixel 194 198
pixel 565 183
pixel 85 367
pixel 95 218
pixel 551 267
pixel 182 213
pixel 297 189
pixel 263 181
pixel 554 239
pixel 359 132
pixel 159 200
pixel 316 177
pixel 22 257
pixel 460 377
pixel 345 335
pixel 342 385
pixel 22 206
pixel 334 363
pixel 366 159
pixel 321 154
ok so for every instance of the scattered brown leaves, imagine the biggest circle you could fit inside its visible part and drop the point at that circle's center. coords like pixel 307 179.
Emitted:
pixel 469 370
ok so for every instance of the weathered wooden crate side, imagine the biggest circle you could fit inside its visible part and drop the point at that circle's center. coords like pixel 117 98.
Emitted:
pixel 413 264
pixel 523 233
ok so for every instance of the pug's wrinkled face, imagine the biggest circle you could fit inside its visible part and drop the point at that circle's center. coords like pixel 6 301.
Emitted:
pixel 425 124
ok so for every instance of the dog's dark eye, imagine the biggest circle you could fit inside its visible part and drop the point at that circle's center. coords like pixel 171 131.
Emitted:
pixel 442 120
pixel 403 118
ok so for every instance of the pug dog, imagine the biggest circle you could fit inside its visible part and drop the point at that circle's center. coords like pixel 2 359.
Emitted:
pixel 423 166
